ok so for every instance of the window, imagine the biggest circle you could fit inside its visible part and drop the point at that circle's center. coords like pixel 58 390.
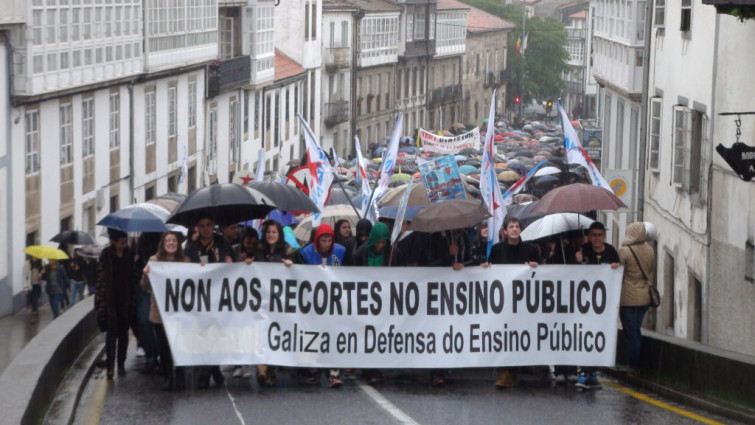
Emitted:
pixel 660 13
pixel 689 137
pixel 192 104
pixel 344 34
pixel 87 123
pixel 66 134
pixel 172 112
pixel 640 24
pixel 409 27
pixel 265 36
pixel 32 142
pixel 310 21
pixel 149 192
pixel 212 141
pixel 150 124
pixel 257 109
pixel 114 203
pixel 619 140
pixel 226 37
pixel 695 307
pixel 431 36
pixel 655 131
pixel 419 26
pixel 246 112
pixel 686 18
pixel 233 123
pixel 276 118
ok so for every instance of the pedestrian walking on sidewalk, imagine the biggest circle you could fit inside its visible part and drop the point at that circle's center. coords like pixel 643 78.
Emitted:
pixel 57 284
pixel 115 298
pixel 34 273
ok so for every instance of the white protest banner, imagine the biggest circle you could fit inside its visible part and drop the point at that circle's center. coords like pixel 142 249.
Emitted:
pixel 379 317
pixel 434 143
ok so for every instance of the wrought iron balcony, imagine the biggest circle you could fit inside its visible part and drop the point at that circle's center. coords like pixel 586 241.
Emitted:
pixel 335 58
pixel 444 95
pixel 336 112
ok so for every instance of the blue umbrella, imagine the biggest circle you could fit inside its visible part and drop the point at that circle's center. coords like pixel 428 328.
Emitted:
pixel 285 218
pixel 142 217
pixel 391 211
pixel 467 169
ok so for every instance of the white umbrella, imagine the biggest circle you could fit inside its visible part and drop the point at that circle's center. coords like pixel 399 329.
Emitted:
pixel 554 224
pixel 331 214
pixel 547 171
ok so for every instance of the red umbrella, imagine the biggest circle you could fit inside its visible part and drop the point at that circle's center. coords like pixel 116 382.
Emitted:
pixel 498 137
pixel 578 197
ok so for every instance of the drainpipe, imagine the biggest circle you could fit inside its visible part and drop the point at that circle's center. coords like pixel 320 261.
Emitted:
pixel 644 115
pixel 131 141
pixel 358 15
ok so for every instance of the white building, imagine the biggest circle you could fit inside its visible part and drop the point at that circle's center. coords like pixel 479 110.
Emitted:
pixel 618 46
pixel 703 211
pixel 298 35
pixel 338 75
pixel 105 102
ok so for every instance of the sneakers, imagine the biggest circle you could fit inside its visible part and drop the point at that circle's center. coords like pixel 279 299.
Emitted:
pixel 246 371
pixel 334 382
pixel 588 381
pixel 560 378
pixel 505 380
pixel 572 377
pixel 139 352
pixel 237 372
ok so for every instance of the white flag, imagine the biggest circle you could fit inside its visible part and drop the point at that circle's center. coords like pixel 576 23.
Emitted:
pixel 575 154
pixel 320 171
pixel 389 161
pixel 362 175
pixel 491 191
pixel 260 176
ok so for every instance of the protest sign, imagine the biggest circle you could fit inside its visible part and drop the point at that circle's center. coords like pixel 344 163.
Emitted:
pixel 442 179
pixel 434 143
pixel 379 317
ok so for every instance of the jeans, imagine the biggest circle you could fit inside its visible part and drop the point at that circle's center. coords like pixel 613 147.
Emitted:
pixel 55 303
pixel 78 288
pixel 36 292
pixel 147 338
pixel 116 339
pixel 631 321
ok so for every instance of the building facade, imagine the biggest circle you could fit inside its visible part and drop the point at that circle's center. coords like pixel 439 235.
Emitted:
pixel 702 209
pixel 618 66
pixel 445 100
pixel 485 62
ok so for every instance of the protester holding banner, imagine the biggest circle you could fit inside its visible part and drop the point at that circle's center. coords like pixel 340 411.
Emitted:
pixel 208 248
pixel 353 243
pixel 248 246
pixel 272 249
pixel 512 250
pixel 323 251
pixel 169 249
pixel 377 252
pixel 343 230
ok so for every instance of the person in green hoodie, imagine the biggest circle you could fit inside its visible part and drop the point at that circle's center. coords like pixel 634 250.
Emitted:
pixel 377 252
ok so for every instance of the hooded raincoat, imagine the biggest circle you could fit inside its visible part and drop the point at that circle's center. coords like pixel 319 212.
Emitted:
pixel 634 289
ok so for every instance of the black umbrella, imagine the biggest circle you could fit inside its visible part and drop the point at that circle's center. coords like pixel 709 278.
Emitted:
pixel 224 203
pixel 73 237
pixel 285 197
pixel 524 213
pixel 340 195
pixel 469 151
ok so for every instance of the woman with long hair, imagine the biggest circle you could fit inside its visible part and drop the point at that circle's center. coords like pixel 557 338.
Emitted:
pixel 169 249
pixel 271 249
pixel 343 230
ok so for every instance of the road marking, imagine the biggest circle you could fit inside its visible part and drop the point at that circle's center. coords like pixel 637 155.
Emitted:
pixel 661 404
pixel 383 402
pixel 233 403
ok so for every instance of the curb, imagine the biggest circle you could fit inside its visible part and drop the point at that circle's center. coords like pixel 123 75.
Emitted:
pixel 707 405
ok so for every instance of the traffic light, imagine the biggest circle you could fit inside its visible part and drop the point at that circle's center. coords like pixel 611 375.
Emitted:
pixel 517 99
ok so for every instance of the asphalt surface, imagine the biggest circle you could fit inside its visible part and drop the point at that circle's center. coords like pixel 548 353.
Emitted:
pixel 404 397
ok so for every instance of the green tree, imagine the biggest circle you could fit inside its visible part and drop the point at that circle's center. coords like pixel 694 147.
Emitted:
pixel 537 74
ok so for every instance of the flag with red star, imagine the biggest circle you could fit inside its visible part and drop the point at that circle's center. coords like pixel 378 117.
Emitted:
pixel 320 171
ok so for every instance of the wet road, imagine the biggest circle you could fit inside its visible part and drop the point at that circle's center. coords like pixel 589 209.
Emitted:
pixel 404 397
pixel 16 332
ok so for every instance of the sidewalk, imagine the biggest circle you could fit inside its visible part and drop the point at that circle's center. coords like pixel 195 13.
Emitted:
pixel 16 332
